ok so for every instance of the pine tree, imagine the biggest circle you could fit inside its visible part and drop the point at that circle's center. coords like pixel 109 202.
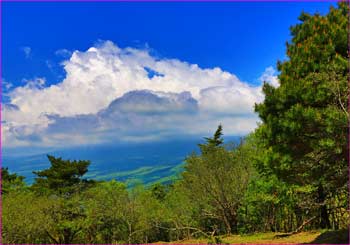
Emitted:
pixel 305 120
pixel 63 177
pixel 212 142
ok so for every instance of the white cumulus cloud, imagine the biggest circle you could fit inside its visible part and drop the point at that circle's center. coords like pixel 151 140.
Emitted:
pixel 123 93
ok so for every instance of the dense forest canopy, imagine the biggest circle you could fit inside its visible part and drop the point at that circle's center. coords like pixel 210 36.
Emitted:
pixel 291 174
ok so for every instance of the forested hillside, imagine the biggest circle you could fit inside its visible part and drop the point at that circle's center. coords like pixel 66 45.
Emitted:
pixel 289 175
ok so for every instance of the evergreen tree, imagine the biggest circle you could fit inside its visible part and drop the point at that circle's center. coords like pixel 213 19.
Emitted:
pixel 305 120
pixel 63 177
pixel 212 142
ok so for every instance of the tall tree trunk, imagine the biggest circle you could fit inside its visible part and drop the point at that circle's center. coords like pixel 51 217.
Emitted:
pixel 324 217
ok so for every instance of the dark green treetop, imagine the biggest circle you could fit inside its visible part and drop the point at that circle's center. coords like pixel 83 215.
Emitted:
pixel 305 120
pixel 212 142
pixel 64 176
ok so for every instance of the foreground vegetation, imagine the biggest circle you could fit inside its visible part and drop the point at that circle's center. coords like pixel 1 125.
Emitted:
pixel 289 176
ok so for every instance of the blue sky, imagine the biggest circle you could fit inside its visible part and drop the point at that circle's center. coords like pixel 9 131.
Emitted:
pixel 224 50
pixel 243 38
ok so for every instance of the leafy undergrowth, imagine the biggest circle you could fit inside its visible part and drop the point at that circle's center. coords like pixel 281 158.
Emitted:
pixel 309 237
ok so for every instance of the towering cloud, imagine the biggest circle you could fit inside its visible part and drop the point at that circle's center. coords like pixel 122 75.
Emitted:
pixel 111 93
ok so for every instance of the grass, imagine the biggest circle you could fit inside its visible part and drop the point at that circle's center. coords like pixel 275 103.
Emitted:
pixel 308 237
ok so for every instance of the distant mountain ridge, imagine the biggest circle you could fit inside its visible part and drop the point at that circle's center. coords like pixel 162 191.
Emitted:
pixel 141 162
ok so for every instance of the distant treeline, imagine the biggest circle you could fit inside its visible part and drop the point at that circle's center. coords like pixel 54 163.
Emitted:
pixel 290 174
